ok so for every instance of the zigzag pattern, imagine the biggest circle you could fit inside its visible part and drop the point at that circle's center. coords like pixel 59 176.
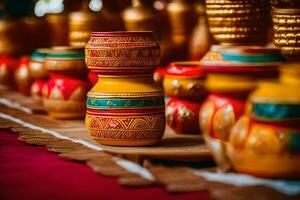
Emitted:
pixel 138 62
pixel 122 53
pixel 122 127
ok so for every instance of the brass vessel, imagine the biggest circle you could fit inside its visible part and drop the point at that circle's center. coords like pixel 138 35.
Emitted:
pixel 286 23
pixel 82 23
pixel 58 29
pixel 239 22
pixel 142 16
pixel 183 18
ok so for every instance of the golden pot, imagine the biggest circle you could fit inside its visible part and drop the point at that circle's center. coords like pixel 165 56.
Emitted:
pixel 81 24
pixel 238 22
pixel 58 29
pixel 286 24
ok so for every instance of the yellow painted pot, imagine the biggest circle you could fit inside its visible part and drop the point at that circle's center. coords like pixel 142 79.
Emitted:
pixel 266 141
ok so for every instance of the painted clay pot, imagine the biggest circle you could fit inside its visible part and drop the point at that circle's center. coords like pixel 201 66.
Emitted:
pixel 183 82
pixel 238 22
pixel 36 65
pixel 126 106
pixel 182 115
pixel 7 69
pixel 285 37
pixel 64 95
pixel 130 53
pixel 230 79
pixel 22 76
pixel 269 135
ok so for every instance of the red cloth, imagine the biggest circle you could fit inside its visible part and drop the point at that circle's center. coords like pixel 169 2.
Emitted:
pixel 28 172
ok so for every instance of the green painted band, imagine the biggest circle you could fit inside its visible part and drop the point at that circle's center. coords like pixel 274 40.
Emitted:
pixel 276 111
pixel 257 58
pixel 94 103
pixel 66 55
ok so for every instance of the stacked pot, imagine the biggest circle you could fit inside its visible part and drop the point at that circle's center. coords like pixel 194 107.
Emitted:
pixel 126 106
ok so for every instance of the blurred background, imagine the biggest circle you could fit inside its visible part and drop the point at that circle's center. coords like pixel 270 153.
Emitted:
pixel 180 25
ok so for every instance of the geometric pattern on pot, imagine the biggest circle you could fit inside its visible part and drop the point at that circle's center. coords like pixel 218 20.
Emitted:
pixel 129 127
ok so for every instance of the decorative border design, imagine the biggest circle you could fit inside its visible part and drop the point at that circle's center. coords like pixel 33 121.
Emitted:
pixel 106 103
pixel 126 127
pixel 125 94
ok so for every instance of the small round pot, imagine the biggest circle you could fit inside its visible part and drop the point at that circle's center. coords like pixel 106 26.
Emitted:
pixel 115 53
pixel 242 22
pixel 37 67
pixel 22 76
pixel 285 37
pixel 182 116
pixel 64 96
pixel 184 80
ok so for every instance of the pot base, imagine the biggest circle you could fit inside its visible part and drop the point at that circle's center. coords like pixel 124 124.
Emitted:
pixel 127 143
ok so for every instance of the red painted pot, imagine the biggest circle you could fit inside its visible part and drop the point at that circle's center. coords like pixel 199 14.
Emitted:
pixel 64 96
pixel 182 115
